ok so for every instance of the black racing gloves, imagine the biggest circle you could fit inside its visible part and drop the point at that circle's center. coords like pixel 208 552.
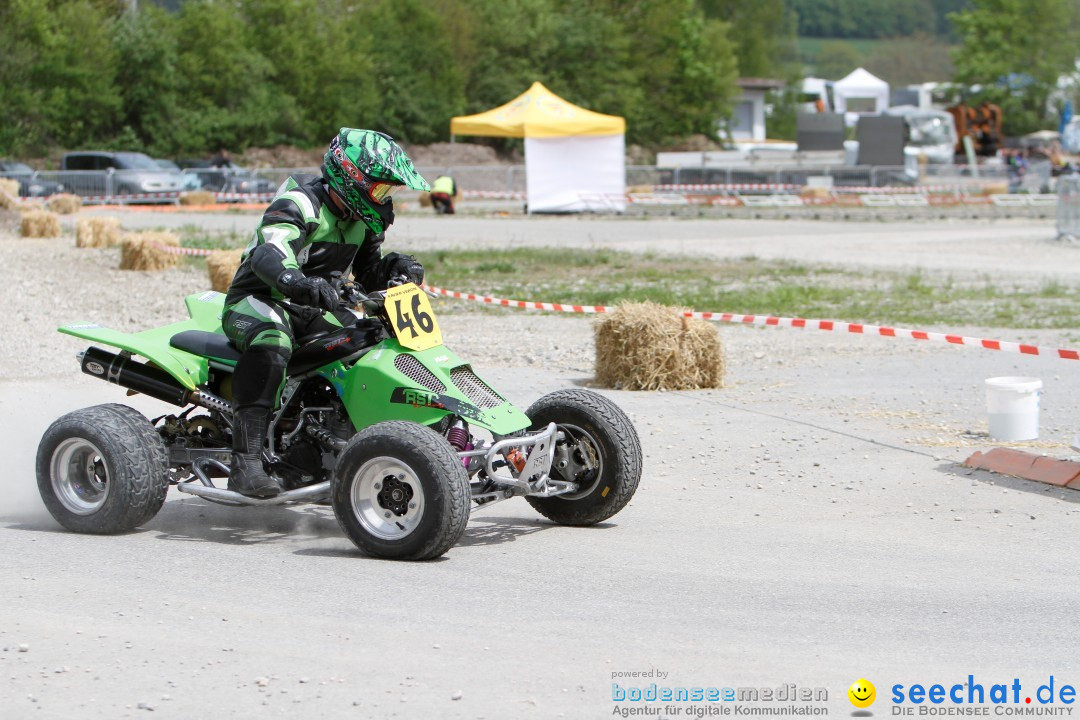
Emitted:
pixel 396 264
pixel 312 291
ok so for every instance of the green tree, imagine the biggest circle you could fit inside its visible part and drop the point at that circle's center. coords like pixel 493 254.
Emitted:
pixel 685 64
pixel 420 85
pixel 763 32
pixel 225 95
pixel 836 59
pixel 1017 50
pixel 146 46
pixel 916 59
pixel 57 74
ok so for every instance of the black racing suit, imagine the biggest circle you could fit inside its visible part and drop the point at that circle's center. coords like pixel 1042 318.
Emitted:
pixel 300 232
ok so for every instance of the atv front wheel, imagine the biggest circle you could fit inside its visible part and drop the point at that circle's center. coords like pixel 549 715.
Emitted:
pixel 401 492
pixel 102 470
pixel 597 448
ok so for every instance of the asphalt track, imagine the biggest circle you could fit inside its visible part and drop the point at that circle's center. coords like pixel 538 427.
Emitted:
pixel 801 526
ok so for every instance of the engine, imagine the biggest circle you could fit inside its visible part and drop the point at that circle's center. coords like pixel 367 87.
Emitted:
pixel 302 459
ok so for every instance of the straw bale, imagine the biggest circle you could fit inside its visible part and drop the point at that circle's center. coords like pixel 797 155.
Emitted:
pixel 646 346
pixel 30 205
pixel 97 232
pixel 198 197
pixel 222 266
pixel 64 203
pixel 814 192
pixel 9 198
pixel 40 224
pixel 995 188
pixel 425 200
pixel 141 251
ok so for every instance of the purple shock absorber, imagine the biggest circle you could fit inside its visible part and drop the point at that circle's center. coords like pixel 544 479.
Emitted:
pixel 458 437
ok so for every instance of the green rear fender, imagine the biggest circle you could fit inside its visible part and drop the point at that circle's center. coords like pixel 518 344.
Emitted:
pixel 381 387
pixel 188 369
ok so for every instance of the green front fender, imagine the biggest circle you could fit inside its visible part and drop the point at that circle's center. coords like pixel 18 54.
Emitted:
pixel 390 383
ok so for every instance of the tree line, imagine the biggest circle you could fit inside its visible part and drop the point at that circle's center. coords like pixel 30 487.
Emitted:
pixel 875 18
pixel 191 77
pixel 239 73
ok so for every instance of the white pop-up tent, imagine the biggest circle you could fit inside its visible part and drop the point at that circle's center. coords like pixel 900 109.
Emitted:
pixel 575 159
pixel 861 92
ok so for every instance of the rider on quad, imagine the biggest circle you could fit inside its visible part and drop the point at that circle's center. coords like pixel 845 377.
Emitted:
pixel 316 227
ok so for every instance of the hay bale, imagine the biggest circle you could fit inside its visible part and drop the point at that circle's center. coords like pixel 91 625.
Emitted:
pixel 425 200
pixel 9 194
pixel 816 193
pixel 98 232
pixel 222 266
pixel 64 203
pixel 40 224
pixel 198 197
pixel 141 251
pixel 30 205
pixel 645 346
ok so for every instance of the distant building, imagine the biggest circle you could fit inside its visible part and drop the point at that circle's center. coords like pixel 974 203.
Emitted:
pixel 748 120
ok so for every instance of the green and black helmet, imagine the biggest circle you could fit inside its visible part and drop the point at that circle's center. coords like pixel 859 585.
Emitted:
pixel 366 167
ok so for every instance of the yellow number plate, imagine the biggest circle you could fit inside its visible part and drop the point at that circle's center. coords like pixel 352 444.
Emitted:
pixel 412 318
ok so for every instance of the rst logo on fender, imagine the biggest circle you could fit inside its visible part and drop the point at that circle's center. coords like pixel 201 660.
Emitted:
pixel 418 397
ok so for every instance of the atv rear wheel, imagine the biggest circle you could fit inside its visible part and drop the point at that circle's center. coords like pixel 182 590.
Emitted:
pixel 401 492
pixel 102 470
pixel 597 448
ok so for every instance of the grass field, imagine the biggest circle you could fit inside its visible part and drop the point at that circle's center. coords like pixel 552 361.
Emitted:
pixel 747 285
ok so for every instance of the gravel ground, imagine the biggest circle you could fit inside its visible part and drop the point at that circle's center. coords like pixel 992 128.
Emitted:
pixel 797 368
pixel 807 523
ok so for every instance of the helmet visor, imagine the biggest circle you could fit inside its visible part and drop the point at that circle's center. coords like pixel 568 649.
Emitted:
pixel 380 192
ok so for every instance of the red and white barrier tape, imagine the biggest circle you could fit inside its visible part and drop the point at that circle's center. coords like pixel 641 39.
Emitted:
pixel 763 320
pixel 770 320
pixel 726 186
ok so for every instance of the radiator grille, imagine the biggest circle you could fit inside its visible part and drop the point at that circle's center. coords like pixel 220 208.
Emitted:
pixel 474 388
pixel 410 367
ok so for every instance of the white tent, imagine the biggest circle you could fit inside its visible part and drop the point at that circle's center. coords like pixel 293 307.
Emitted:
pixel 861 86
pixel 575 159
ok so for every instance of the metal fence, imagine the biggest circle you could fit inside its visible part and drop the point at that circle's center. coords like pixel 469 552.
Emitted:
pixel 236 183
pixel 1068 209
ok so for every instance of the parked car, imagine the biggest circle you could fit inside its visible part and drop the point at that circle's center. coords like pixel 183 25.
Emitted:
pixel 117 173
pixel 191 180
pixel 229 179
pixel 30 185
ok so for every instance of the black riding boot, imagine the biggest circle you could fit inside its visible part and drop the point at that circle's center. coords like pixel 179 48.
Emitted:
pixel 247 475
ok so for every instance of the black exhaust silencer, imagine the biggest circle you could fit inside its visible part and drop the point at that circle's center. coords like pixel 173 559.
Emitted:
pixel 134 375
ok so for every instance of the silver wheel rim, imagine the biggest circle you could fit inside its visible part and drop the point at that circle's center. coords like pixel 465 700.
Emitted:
pixel 581 436
pixel 80 476
pixel 376 502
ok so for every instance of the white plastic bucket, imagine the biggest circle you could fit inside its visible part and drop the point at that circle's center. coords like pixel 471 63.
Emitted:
pixel 1013 405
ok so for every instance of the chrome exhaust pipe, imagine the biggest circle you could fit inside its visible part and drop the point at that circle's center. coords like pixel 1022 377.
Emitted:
pixel 216 494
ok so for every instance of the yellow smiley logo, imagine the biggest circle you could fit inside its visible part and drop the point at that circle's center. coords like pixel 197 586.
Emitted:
pixel 862 693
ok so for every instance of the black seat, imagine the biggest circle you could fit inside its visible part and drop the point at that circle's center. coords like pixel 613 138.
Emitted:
pixel 206 344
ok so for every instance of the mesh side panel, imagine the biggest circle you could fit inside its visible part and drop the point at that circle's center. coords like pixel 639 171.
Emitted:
pixel 474 388
pixel 411 368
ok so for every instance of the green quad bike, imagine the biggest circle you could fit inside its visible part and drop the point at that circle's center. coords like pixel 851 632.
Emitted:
pixel 379 419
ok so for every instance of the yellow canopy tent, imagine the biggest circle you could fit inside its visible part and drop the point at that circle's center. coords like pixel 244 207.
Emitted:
pixel 537 113
pixel 575 159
